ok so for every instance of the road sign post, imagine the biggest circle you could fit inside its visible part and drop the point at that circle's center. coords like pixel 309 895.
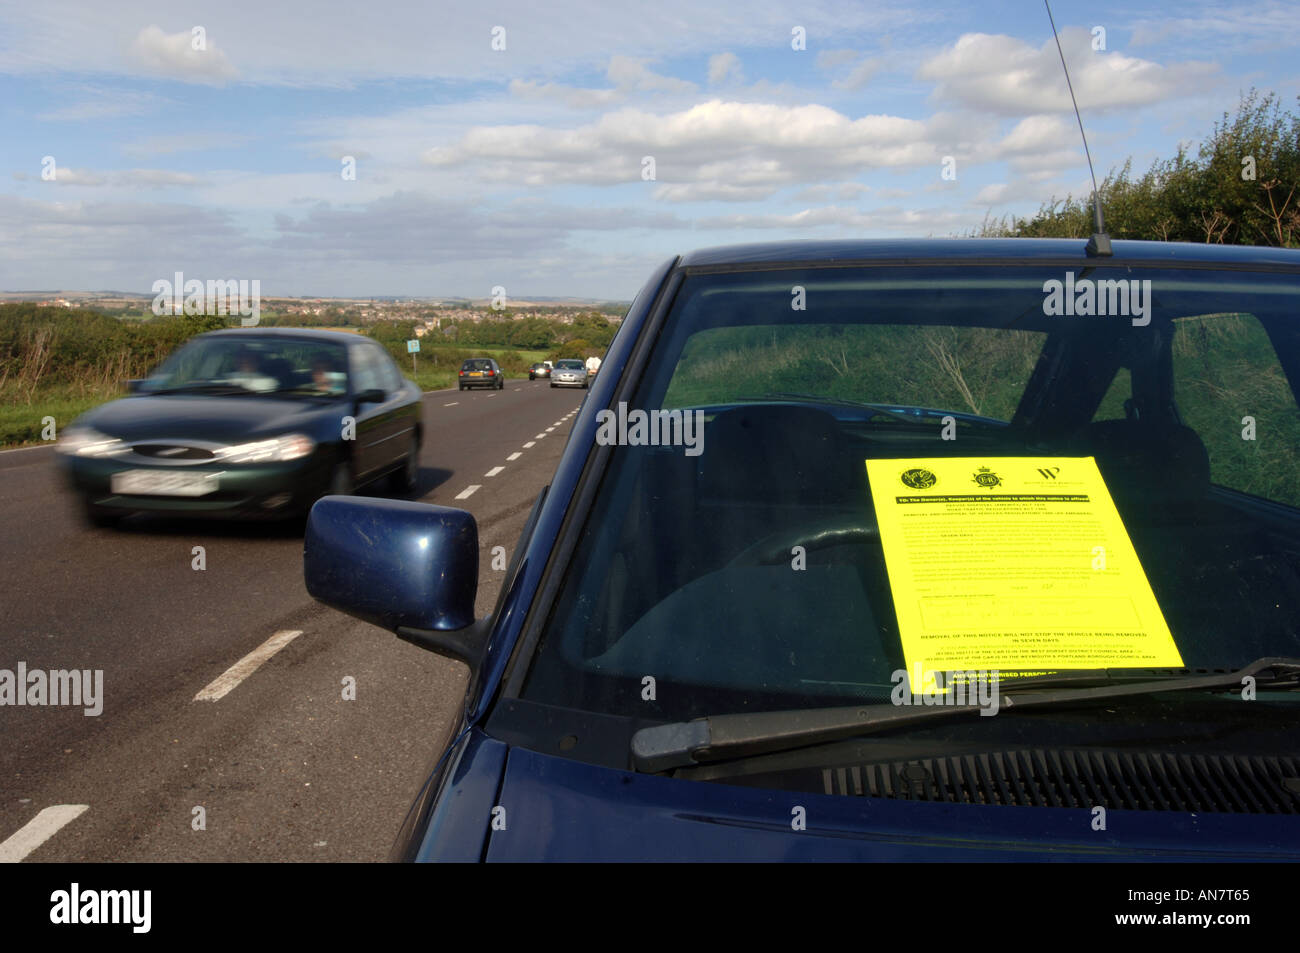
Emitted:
pixel 413 348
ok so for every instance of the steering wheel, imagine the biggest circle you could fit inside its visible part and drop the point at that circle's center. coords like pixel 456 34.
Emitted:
pixel 775 548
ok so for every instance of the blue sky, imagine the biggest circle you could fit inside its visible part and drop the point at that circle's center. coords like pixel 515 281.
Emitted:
pixel 524 167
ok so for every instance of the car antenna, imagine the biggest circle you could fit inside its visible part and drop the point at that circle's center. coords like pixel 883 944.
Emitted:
pixel 1099 243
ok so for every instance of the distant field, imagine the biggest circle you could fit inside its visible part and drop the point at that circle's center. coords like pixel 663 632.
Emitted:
pixel 1224 369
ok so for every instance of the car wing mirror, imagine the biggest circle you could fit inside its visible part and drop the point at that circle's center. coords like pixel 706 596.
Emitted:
pixel 411 568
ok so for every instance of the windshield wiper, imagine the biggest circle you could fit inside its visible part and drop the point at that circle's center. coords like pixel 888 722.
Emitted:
pixel 726 737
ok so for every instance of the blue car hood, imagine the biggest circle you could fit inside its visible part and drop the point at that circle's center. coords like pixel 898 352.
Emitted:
pixel 557 809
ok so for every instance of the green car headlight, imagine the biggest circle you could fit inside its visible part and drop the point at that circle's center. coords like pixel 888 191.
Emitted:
pixel 82 441
pixel 292 446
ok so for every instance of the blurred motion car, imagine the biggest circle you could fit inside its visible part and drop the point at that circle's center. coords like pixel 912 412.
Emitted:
pixel 569 373
pixel 908 456
pixel 248 424
pixel 480 372
pixel 539 370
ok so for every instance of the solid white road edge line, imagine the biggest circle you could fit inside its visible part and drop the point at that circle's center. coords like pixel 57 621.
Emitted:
pixel 224 683
pixel 38 830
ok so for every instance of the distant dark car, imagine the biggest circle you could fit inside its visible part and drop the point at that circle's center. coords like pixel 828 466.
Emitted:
pixel 811 473
pixel 539 370
pixel 569 373
pixel 248 424
pixel 480 372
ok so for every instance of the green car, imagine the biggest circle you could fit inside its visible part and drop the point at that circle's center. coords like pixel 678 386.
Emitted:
pixel 248 424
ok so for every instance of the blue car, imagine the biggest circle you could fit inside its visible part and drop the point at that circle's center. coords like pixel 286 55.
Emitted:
pixel 885 550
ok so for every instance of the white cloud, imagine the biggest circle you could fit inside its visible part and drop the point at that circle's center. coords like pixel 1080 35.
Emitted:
pixel 573 96
pixel 722 143
pixel 100 102
pixel 174 55
pixel 1007 75
pixel 842 191
pixel 124 178
pixel 859 76
pixel 724 66
pixel 890 218
pixel 1254 26
pixel 630 73
pixel 190 141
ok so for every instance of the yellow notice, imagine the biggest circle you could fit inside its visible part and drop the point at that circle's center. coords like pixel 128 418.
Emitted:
pixel 1013 564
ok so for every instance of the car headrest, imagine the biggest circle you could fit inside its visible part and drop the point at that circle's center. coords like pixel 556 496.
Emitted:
pixel 1149 464
pixel 772 454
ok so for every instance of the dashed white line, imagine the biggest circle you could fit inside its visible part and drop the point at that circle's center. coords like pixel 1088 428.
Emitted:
pixel 514 456
pixel 38 830
pixel 452 404
pixel 494 471
pixel 224 683
pixel 549 429
pixel 539 436
pixel 531 443
pixel 466 493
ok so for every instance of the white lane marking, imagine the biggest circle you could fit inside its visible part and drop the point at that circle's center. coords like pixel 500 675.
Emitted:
pixel 38 830
pixel 48 446
pixel 226 682
pixel 452 404
pixel 466 493
pixel 531 443
pixel 559 422
pixel 549 429
pixel 514 456
pixel 539 436
pixel 494 471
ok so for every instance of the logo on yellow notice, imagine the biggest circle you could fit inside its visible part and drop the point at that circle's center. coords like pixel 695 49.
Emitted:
pixel 986 478
pixel 919 479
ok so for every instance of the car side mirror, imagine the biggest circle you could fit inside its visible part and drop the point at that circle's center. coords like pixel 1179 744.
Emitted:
pixel 411 568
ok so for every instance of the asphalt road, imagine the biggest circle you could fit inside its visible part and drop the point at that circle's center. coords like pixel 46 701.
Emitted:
pixel 282 766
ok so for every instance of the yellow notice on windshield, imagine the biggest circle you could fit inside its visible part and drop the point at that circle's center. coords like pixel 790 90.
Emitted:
pixel 1014 565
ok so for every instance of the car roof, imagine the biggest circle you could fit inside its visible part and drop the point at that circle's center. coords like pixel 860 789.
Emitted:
pixel 309 334
pixel 993 250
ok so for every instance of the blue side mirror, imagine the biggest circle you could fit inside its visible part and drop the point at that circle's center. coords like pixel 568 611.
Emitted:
pixel 411 568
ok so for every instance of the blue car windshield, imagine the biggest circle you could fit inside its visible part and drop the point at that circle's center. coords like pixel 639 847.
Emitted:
pixel 826 475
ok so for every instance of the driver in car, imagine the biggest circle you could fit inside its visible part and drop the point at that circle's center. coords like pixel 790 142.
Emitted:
pixel 248 372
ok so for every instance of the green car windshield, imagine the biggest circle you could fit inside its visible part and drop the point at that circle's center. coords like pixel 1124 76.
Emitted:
pixel 251 365
pixel 748 547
